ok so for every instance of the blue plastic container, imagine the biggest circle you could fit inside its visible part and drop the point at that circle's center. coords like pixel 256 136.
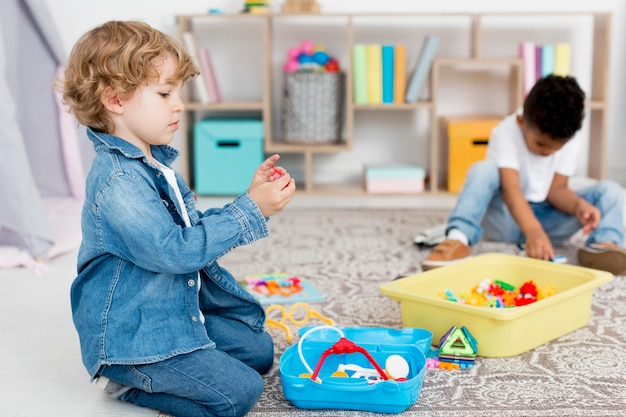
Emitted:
pixel 411 336
pixel 352 393
pixel 227 152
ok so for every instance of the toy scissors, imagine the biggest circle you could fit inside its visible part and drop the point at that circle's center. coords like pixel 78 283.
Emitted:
pixel 282 322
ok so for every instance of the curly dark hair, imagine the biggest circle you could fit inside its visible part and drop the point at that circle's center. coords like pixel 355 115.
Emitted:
pixel 555 106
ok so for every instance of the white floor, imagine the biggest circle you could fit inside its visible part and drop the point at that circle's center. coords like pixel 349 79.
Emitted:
pixel 41 373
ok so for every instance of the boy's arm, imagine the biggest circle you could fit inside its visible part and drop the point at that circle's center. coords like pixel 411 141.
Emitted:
pixel 537 241
pixel 561 196
pixel 567 201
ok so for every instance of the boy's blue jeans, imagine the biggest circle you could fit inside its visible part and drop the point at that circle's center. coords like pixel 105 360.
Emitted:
pixel 225 381
pixel 480 208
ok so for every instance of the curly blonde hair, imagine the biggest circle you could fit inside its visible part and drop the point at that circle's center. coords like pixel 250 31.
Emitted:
pixel 117 54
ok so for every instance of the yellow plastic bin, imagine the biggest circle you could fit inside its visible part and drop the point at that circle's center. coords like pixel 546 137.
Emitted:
pixel 500 332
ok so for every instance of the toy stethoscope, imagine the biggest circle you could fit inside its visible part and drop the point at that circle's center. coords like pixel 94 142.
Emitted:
pixel 396 366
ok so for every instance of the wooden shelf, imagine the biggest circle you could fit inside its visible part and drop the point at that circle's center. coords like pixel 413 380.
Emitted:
pixel 348 29
pixel 395 106
pixel 287 147
pixel 226 105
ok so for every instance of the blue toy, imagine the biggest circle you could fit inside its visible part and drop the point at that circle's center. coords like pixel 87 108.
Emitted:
pixel 349 375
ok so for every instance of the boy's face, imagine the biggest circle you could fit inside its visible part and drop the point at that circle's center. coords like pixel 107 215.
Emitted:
pixel 538 143
pixel 152 114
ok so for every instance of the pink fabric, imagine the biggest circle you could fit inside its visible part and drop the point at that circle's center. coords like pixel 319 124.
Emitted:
pixel 63 216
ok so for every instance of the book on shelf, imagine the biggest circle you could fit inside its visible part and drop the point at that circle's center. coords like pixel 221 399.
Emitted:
pixel 547 59
pixel 374 74
pixel 208 74
pixel 399 77
pixel 422 68
pixel 199 88
pixel 388 73
pixel 537 62
pixel 562 56
pixel 359 73
pixel 527 54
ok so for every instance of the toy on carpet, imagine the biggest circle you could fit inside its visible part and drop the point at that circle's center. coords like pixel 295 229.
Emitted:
pixel 280 287
pixel 500 294
pixel 353 369
pixel 292 316
pixel 457 350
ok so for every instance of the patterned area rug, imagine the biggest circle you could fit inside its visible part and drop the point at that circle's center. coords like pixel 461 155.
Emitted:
pixel 349 253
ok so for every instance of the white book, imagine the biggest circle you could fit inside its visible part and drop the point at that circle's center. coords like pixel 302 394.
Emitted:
pixel 199 86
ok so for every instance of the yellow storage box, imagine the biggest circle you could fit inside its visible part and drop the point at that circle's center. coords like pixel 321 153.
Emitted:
pixel 500 332
pixel 467 143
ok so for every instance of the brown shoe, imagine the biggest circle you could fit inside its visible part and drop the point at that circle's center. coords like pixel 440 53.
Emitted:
pixel 447 252
pixel 612 259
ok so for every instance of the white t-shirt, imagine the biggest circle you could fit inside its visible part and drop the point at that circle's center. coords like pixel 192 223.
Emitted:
pixel 170 176
pixel 508 149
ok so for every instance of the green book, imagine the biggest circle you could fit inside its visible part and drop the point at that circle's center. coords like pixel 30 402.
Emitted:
pixel 359 73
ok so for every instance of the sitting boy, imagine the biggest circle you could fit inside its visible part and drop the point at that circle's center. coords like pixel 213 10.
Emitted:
pixel 520 194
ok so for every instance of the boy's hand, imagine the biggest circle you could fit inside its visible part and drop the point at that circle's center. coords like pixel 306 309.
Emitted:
pixel 265 170
pixel 538 245
pixel 588 215
pixel 269 195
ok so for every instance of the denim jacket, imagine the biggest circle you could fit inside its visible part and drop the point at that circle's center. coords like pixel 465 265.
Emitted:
pixel 135 299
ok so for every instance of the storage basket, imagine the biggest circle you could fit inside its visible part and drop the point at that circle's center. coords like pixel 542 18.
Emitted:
pixel 313 106
pixel 233 146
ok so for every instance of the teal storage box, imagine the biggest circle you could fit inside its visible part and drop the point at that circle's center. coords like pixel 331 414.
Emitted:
pixel 227 153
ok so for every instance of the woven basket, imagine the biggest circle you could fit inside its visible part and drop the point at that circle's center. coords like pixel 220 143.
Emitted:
pixel 313 106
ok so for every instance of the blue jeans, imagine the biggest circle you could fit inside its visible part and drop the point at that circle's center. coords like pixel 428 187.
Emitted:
pixel 223 381
pixel 480 209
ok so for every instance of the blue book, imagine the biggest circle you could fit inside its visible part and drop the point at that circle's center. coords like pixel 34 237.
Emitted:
pixel 547 60
pixel 388 73
pixel 422 68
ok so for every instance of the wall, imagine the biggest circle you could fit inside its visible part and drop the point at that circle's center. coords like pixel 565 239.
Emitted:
pixel 370 146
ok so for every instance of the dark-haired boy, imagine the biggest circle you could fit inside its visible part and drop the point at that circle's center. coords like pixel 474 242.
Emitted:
pixel 520 194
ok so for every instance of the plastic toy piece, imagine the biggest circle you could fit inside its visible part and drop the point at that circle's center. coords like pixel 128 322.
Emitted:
pixel 500 294
pixel 545 292
pixel 505 285
pixel 431 236
pixel 271 285
pixel 275 173
pixel 346 346
pixel 527 294
pixel 558 259
pixel 291 316
pixel 397 367
pixel 457 343
pixel 370 374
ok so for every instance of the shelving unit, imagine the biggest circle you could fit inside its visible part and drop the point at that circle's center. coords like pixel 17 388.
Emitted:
pixel 249 50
